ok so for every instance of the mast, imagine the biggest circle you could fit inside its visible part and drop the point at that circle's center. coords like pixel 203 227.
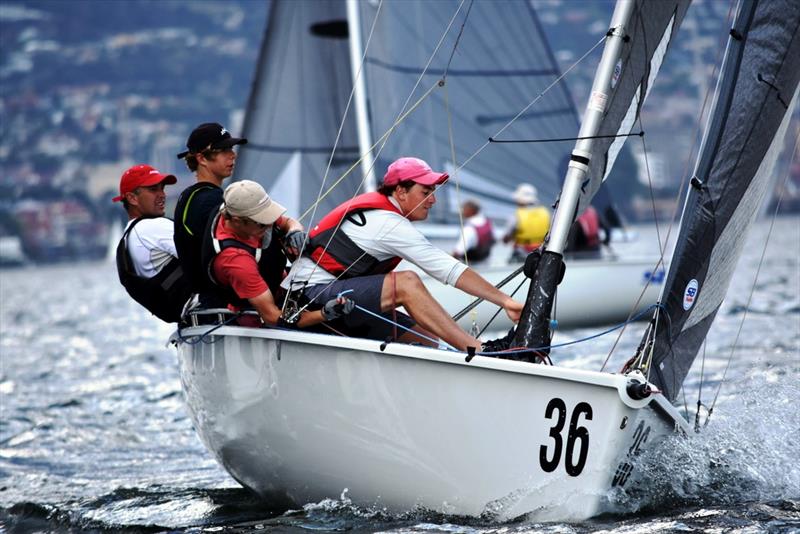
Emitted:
pixel 534 326
pixel 360 96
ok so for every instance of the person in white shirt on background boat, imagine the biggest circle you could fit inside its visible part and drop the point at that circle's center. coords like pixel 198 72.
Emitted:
pixel 147 261
pixel 359 257
pixel 529 225
pixel 477 239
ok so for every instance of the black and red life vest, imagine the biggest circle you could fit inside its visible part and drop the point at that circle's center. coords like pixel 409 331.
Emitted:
pixel 271 263
pixel 164 294
pixel 342 257
pixel 196 205
pixel 483 248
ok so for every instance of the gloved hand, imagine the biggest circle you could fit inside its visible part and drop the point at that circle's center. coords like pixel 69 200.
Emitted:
pixel 337 307
pixel 294 242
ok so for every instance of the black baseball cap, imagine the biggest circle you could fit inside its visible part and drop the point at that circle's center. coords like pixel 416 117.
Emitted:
pixel 210 135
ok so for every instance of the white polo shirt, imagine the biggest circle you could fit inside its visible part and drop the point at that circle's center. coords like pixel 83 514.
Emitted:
pixel 385 235
pixel 151 245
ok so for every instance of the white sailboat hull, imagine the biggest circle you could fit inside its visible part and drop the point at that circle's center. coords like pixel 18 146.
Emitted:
pixel 594 292
pixel 301 417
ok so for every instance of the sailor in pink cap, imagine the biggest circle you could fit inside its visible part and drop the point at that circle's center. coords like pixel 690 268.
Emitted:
pixel 356 247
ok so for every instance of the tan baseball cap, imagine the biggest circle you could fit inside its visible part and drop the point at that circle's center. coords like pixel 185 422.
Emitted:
pixel 248 199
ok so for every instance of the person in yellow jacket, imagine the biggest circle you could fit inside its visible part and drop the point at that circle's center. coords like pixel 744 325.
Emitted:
pixel 530 224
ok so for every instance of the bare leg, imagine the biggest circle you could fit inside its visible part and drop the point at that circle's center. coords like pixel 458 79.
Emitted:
pixel 411 337
pixel 412 294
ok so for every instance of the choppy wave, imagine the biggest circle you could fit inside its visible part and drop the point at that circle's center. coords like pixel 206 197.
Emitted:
pixel 94 435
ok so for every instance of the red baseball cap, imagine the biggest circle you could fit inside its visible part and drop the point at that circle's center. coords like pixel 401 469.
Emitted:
pixel 141 176
pixel 415 170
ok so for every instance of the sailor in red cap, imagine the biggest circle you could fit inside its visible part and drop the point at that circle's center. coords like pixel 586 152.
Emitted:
pixel 355 249
pixel 147 262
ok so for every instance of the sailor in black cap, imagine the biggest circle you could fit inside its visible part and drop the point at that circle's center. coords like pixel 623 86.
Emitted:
pixel 209 154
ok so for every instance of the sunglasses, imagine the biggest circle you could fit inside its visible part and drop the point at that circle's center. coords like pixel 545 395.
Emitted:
pixel 261 226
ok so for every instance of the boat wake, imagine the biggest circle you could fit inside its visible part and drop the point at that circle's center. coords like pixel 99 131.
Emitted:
pixel 746 453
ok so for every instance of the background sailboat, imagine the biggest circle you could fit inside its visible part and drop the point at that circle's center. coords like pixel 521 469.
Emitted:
pixel 304 129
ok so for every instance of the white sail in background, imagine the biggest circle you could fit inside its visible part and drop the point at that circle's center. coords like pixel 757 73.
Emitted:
pixel 303 84
pixel 300 93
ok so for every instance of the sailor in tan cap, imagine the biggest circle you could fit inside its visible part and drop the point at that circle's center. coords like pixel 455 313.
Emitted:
pixel 243 257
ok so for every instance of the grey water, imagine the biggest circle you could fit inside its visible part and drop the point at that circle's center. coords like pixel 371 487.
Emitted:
pixel 95 437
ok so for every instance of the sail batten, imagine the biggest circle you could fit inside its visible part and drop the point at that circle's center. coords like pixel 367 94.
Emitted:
pixel 733 172
pixel 483 73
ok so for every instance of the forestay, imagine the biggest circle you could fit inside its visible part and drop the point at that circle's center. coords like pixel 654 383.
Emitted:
pixel 757 86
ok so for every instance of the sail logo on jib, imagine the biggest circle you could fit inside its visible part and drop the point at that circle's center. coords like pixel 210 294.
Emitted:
pixel 690 294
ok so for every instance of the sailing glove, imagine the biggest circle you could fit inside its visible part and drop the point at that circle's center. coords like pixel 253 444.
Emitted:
pixel 295 240
pixel 336 308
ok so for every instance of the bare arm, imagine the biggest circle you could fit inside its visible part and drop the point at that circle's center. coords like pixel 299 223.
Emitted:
pixel 270 313
pixel 477 286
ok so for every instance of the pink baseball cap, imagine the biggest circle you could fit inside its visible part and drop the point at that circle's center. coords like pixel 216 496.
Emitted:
pixel 415 170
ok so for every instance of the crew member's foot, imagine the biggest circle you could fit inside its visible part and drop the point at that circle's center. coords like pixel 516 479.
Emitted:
pixel 500 345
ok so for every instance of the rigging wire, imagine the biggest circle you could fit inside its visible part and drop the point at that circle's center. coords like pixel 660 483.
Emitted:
pixel 313 208
pixel 699 390
pixel 499 309
pixel 660 261
pixel 587 338
pixel 458 38
pixel 557 140
pixel 382 141
pixel 532 102
pixel 451 141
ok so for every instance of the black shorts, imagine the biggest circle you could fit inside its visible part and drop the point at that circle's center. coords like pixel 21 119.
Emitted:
pixel 366 292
